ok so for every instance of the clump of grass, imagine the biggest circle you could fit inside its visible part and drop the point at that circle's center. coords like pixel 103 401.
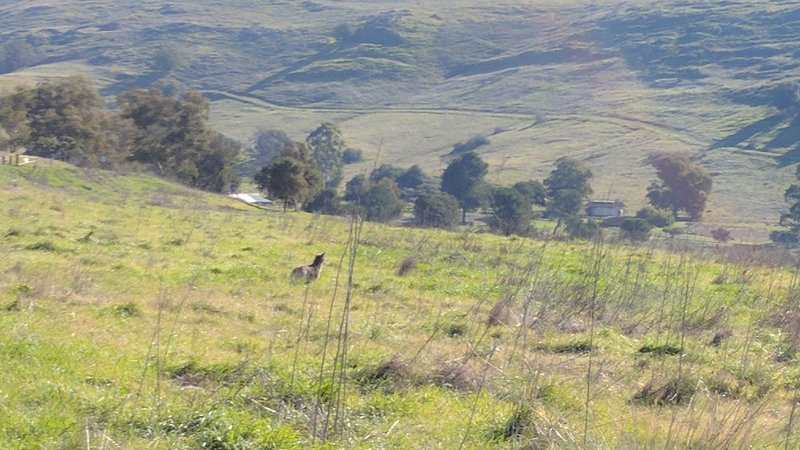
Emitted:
pixel 676 391
pixel 407 265
pixel 661 349
pixel 719 337
pixel 12 306
pixel 13 232
pixel 500 314
pixel 515 426
pixel 43 246
pixel 125 310
pixel 390 375
pixel 207 308
pixel 456 375
pixel 580 346
pixel 191 373
pixel 455 330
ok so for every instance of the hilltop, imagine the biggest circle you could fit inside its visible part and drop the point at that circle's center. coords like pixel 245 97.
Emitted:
pixel 139 313
pixel 609 82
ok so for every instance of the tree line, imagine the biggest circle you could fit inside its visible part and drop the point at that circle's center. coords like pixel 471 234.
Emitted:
pixel 66 119
pixel 309 173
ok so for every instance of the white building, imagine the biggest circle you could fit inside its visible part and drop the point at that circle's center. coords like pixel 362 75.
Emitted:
pixel 605 208
pixel 252 199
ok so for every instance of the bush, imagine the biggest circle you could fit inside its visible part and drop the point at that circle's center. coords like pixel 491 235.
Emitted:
pixel 578 228
pixel 326 201
pixel 352 156
pixel 511 212
pixel 658 218
pixel 721 234
pixel 473 143
pixel 437 210
pixel 636 229
pixel 784 237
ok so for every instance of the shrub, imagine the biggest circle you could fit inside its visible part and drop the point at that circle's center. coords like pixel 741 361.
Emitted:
pixel 352 156
pixel 578 228
pixel 721 234
pixel 326 201
pixel 437 210
pixel 636 229
pixel 677 391
pixel 658 218
pixel 473 143
pixel 408 264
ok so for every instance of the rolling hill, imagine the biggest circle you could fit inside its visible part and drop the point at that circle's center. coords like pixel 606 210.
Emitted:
pixel 609 82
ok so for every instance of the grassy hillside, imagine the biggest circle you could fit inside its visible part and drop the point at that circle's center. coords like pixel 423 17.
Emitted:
pixel 609 82
pixel 136 313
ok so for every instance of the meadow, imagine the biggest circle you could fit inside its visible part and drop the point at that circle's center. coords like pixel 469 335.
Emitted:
pixel 136 313
pixel 608 82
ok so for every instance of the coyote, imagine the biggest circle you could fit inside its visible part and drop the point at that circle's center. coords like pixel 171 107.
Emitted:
pixel 309 273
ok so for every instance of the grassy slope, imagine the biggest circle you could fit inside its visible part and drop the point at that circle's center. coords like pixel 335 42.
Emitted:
pixel 139 313
pixel 610 83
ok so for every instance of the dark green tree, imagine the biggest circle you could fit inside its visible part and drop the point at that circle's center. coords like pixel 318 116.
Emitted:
pixel 289 179
pixel 381 201
pixel 69 121
pixel 386 171
pixel 658 218
pixel 173 138
pixel 567 189
pixel 636 229
pixel 682 186
pixel 462 178
pixel 436 210
pixel 412 178
pixel 534 191
pixel 327 145
pixel 326 201
pixel 511 212
pixel 790 220
pixel 354 189
pixel 266 145
pixel 15 128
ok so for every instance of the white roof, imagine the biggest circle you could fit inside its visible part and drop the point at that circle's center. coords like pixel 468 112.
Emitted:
pixel 251 198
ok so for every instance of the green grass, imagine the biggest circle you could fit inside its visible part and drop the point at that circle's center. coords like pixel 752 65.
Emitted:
pixel 136 313
pixel 609 84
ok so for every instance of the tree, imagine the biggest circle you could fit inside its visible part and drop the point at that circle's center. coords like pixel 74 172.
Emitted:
pixel 326 201
pixel 69 121
pixel 791 218
pixel 354 189
pixel 567 189
pixel 266 144
pixel 14 118
pixel 173 138
pixel 636 229
pixel 289 179
pixel 658 218
pixel 386 171
pixel 462 178
pixel 682 187
pixel 327 145
pixel 412 178
pixel 534 191
pixel 167 59
pixel 381 201
pixel 511 212
pixel 721 234
pixel 352 156
pixel 436 210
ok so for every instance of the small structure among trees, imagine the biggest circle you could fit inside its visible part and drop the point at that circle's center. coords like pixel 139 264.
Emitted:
pixel 605 208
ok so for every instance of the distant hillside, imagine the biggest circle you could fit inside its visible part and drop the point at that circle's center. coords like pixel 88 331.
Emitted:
pixel 609 82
